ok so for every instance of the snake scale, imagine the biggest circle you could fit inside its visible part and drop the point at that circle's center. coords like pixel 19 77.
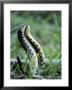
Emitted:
pixel 32 47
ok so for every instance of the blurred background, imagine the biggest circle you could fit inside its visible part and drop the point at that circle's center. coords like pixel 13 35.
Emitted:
pixel 45 28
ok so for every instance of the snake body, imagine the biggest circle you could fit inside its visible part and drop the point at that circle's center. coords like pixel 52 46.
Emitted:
pixel 31 47
pixel 36 45
pixel 33 63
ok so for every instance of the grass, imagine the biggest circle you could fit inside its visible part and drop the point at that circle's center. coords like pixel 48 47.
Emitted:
pixel 46 29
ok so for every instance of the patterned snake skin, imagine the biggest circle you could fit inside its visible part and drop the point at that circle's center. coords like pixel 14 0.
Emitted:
pixel 32 48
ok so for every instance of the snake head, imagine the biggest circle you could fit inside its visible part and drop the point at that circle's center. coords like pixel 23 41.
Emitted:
pixel 25 28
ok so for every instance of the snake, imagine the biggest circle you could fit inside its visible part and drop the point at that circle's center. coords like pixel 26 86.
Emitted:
pixel 36 45
pixel 33 63
pixel 32 47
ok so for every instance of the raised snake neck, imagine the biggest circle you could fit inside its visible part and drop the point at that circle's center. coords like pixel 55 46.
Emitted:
pixel 33 60
pixel 31 47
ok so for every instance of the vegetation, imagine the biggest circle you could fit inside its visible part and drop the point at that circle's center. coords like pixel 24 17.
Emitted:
pixel 46 29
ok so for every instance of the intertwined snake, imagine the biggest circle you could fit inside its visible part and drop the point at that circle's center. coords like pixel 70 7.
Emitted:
pixel 32 48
